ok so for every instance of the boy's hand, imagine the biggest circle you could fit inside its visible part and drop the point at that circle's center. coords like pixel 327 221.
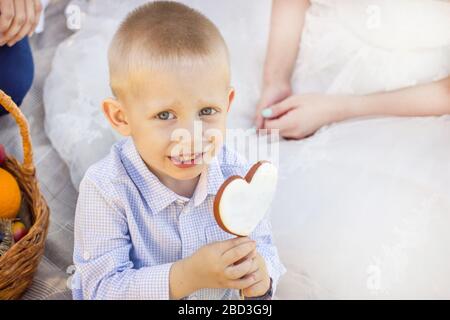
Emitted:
pixel 261 276
pixel 224 264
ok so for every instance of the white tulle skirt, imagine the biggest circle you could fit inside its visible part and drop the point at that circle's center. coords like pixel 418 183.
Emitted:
pixel 363 206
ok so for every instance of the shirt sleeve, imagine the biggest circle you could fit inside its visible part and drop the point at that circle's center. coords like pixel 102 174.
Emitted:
pixel 102 253
pixel 267 249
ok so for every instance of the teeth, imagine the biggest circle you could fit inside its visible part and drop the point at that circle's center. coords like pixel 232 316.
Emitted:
pixel 186 158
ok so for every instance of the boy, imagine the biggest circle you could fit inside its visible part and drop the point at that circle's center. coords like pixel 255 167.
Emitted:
pixel 144 226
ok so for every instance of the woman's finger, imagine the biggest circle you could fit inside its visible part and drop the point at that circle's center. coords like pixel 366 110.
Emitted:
pixel 6 18
pixel 259 121
pixel 19 20
pixel 279 109
pixel 26 27
pixel 284 124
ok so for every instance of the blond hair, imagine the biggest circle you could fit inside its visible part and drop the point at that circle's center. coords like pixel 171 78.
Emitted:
pixel 158 35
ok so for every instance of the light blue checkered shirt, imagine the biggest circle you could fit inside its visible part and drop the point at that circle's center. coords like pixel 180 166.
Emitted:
pixel 130 228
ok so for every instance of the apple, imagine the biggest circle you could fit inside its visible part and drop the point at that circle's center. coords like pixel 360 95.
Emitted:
pixel 2 154
pixel 19 230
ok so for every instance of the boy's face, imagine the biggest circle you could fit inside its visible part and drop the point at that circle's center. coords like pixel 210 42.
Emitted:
pixel 162 119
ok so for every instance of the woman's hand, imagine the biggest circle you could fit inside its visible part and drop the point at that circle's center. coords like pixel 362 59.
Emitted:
pixel 299 116
pixel 271 94
pixel 286 25
pixel 18 19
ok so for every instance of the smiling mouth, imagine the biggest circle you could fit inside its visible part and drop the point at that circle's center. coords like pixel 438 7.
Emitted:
pixel 191 159
pixel 186 160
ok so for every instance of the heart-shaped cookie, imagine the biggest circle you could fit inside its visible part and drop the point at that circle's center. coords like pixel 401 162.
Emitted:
pixel 241 203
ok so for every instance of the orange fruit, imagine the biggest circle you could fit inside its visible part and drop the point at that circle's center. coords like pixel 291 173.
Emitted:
pixel 10 197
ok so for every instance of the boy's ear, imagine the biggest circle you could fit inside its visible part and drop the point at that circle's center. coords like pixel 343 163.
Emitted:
pixel 115 113
pixel 231 93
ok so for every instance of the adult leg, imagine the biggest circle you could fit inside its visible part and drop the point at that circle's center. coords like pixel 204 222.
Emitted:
pixel 16 71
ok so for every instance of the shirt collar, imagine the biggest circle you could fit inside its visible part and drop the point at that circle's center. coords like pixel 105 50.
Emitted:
pixel 155 193
pixel 209 182
pixel 215 176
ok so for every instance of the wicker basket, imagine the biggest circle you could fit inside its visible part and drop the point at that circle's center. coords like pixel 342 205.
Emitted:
pixel 20 262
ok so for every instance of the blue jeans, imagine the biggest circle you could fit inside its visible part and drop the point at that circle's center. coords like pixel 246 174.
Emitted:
pixel 16 71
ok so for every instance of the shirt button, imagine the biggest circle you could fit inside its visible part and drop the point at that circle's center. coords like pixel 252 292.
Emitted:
pixel 86 255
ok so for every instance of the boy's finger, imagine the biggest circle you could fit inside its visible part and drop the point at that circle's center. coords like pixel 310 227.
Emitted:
pixel 254 268
pixel 236 271
pixel 234 242
pixel 255 289
pixel 242 283
pixel 249 256
pixel 238 252
pixel 241 270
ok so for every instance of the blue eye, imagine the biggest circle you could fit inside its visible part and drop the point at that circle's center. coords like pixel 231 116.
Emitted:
pixel 165 115
pixel 207 111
